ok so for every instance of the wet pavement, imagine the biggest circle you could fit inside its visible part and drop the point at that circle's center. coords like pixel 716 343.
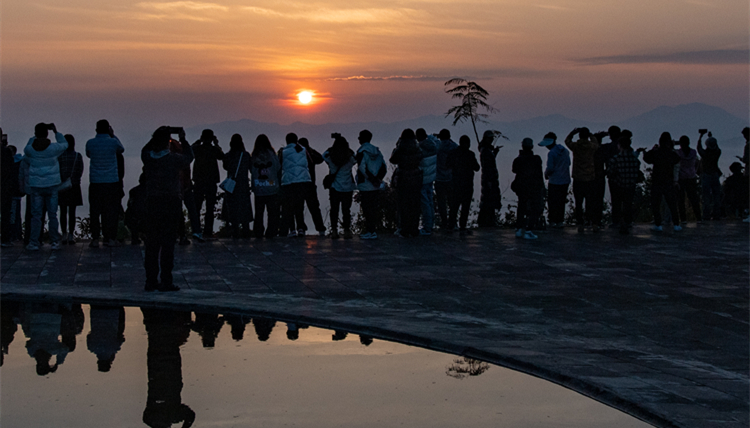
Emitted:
pixel 655 325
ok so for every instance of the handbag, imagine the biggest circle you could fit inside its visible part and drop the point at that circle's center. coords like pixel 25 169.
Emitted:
pixel 330 178
pixel 228 184
pixel 65 185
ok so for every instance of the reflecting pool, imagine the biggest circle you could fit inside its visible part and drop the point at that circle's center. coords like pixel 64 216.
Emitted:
pixel 71 365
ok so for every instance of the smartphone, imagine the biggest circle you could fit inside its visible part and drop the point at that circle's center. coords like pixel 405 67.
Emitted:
pixel 702 131
pixel 174 130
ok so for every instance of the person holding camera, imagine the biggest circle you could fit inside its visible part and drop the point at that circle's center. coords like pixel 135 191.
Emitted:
pixel 371 170
pixel 623 171
pixel 584 175
pixel 557 173
pixel 340 184
pixel 206 176
pixel 663 181
pixel 710 176
pixel 490 200
pixel 310 197
pixel 104 187
pixel 688 180
pixel 163 210
pixel 407 157
pixel 44 178
pixel 295 180
pixel 71 167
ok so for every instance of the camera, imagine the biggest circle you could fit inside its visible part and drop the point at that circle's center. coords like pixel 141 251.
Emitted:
pixel 702 131
pixel 335 135
pixel 175 130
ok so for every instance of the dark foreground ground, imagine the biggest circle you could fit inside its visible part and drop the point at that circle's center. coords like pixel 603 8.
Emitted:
pixel 656 325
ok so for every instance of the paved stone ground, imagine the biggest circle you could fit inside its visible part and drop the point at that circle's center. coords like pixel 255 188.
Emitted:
pixel 656 325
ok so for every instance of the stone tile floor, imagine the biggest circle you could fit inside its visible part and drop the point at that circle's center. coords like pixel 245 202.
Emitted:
pixel 656 325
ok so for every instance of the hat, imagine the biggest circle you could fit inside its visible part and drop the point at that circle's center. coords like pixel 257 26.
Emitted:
pixel 527 143
pixel 547 142
pixel 488 134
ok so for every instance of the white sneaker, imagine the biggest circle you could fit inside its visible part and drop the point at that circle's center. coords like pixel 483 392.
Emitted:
pixel 519 233
pixel 292 234
pixel 677 228
pixel 656 228
pixel 55 246
pixel 529 235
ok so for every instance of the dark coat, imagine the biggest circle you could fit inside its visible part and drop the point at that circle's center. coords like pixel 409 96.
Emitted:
pixel 237 208
pixel 463 164
pixel 491 198
pixel 206 167
pixel 664 161
pixel 529 179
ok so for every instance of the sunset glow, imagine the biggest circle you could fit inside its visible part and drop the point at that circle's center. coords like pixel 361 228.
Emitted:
pixel 305 97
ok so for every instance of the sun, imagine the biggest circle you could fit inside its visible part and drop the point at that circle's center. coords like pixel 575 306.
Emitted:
pixel 305 97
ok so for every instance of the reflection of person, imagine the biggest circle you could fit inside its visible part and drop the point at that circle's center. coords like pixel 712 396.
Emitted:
pixel 263 328
pixel 208 327
pixel 41 324
pixel 8 326
pixel 107 334
pixel 238 324
pixel 167 331
pixel 71 324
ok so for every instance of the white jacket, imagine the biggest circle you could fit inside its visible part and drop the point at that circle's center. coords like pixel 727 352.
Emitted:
pixel 294 165
pixel 371 162
pixel 44 170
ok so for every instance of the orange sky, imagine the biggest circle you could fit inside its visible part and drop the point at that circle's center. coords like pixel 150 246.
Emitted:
pixel 194 62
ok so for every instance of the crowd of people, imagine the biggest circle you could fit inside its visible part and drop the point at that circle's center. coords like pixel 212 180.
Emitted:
pixel 433 179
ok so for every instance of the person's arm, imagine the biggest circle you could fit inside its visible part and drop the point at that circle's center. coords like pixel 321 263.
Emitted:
pixel 218 152
pixel 550 165
pixel 119 148
pixel 77 168
pixel 475 165
pixel 569 139
pixel 316 157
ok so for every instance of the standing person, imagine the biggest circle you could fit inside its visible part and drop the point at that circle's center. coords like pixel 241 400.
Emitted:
pixel 188 199
pixel 429 145
pixel 463 164
pixel 104 187
pixel 558 175
pixel 663 184
pixel 311 190
pixel 18 193
pixel 443 178
pixel 71 167
pixel 623 171
pixel 239 210
pixel 44 177
pixel 710 173
pixel 266 175
pixel 295 181
pixel 529 187
pixel 491 201
pixel 736 191
pixel 207 153
pixel 602 156
pixel 407 157
pixel 7 185
pixel 371 170
pixel 584 174
pixel 688 180
pixel 161 179
pixel 340 160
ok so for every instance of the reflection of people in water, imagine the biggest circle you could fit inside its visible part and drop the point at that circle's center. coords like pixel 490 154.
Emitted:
pixel 365 340
pixel 263 328
pixel 238 323
pixel 339 335
pixel 71 324
pixel 8 326
pixel 107 334
pixel 208 327
pixel 41 324
pixel 166 330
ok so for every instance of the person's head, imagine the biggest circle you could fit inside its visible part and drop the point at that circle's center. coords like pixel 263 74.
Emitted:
pixel 207 135
pixel 43 368
pixel 488 137
pixel 105 365
pixel 40 130
pixel 303 142
pixel 160 139
pixel 614 132
pixel 712 143
pixel 627 133
pixel 408 134
pixel 464 142
pixel 665 141
pixel 365 136
pixel 291 138
pixel 236 144
pixel 685 143
pixel 102 126
pixel 527 144
pixel 584 132
pixel 735 168
pixel 292 334
pixel 71 142
pixel 444 134
pixel 262 144
pixel 746 133
pixel 624 143
pixel 549 141
pixel 421 134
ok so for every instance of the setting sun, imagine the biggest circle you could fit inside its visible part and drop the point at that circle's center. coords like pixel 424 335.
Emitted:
pixel 305 97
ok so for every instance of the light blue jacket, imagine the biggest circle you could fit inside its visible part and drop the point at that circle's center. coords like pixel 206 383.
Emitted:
pixel 429 147
pixel 558 165
pixel 103 150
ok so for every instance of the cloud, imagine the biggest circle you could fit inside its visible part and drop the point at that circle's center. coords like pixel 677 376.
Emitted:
pixel 551 7
pixel 710 57
pixel 363 78
pixel 183 5
pixel 180 10
pixel 358 16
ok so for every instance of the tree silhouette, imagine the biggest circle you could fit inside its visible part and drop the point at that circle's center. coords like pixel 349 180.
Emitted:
pixel 473 98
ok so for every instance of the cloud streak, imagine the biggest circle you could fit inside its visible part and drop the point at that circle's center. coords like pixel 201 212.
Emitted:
pixel 381 78
pixel 341 16
pixel 709 57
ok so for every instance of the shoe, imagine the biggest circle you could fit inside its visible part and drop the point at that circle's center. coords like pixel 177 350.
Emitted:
pixel 677 228
pixel 519 233
pixel 6 244
pixel 529 235
pixel 184 241
pixel 398 233
pixel 424 232
pixel 322 233
pixel 301 232
pixel 348 234
pixel 199 237
pixel 374 235
pixel 55 246
pixel 580 229
pixel 64 239
pixel 335 235
pixel 657 228
pixel 94 243
pixel 168 287
pixel 292 234
pixel 32 247
pixel 151 287
pixel 365 236
pixel 113 243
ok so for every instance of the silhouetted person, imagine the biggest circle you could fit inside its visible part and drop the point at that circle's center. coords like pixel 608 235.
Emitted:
pixel 295 181
pixel 107 334
pixel 161 179
pixel 238 323
pixel 688 180
pixel 623 171
pixel 365 340
pixel 167 331
pixel 311 190
pixel 340 160
pixel 8 326
pixel 8 182
pixel 263 328
pixel 207 154
pixel 266 185
pixel 710 174
pixel 238 209
pixel 603 154
pixel 736 191
pixel 407 157
pixel 71 324
pixel 663 184
pixel 208 327
pixel 490 201
pixel 71 167
pixel 584 174
pixel 745 159
pixel 429 146
pixel 104 187
pixel 443 178
pixel 557 173
pixel 188 200
pixel 41 324
pixel 18 192
pixel 371 170
pixel 529 187
pixel 463 164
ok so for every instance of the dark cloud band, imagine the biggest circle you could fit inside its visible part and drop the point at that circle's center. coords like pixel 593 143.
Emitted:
pixel 712 57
